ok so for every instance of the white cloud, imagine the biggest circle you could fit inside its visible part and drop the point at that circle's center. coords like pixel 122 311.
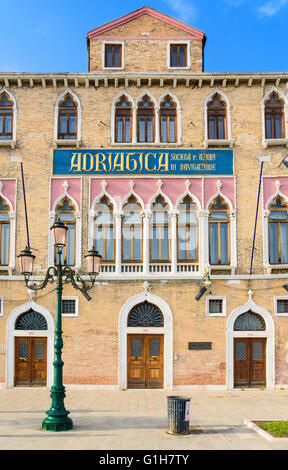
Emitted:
pixel 184 9
pixel 271 8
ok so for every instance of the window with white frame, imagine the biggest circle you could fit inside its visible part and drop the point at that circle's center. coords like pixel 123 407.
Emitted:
pixel 219 233
pixel 159 240
pixel 187 231
pixel 178 55
pixel 65 212
pixel 70 306
pixel 215 306
pixel 112 55
pixel 4 233
pixel 103 239
pixel 132 231
pixel 278 231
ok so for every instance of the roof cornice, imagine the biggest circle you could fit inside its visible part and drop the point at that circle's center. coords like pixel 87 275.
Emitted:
pixel 117 79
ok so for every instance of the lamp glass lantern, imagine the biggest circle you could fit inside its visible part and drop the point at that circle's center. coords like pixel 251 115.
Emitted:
pixel 93 260
pixel 59 233
pixel 26 261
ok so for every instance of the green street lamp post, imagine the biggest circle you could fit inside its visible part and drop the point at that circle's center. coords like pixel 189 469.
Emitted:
pixel 57 417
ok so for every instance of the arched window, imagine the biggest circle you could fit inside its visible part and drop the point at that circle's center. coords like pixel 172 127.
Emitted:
pixel 187 231
pixel 278 231
pixel 104 229
pixel 217 118
pixel 31 320
pixel 145 314
pixel 6 117
pixel 4 233
pixel 219 252
pixel 168 115
pixel 65 212
pixel 159 240
pixel 145 120
pixel 249 321
pixel 123 120
pixel 274 118
pixel 67 118
pixel 132 231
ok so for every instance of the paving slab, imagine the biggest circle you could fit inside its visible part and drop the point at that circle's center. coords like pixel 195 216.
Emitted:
pixel 137 420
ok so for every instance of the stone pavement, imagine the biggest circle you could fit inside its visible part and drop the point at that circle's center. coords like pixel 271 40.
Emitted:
pixel 137 420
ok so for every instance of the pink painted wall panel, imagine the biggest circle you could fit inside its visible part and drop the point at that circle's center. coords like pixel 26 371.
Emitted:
pixel 9 191
pixel 211 189
pixel 74 189
pixel 270 188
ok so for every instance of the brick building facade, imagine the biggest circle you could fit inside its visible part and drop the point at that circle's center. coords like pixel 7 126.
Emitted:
pixel 159 166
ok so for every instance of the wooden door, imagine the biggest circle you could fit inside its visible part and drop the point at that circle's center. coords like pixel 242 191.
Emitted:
pixel 249 362
pixel 30 361
pixel 145 361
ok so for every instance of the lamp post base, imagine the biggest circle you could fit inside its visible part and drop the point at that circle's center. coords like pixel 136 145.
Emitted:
pixel 57 417
pixel 57 423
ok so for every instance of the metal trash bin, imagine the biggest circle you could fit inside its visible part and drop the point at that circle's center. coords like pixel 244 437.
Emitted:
pixel 178 415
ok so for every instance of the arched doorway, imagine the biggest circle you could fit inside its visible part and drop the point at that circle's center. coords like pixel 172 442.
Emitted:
pixel 250 347
pixel 145 343
pixel 30 330
pixel 145 352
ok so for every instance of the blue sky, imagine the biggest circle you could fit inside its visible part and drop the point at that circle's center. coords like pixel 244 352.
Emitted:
pixel 242 35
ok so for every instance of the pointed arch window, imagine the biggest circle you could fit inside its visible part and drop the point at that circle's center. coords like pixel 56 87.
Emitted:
pixel 219 233
pixel 104 229
pixel 132 231
pixel 6 117
pixel 145 120
pixel 278 231
pixel 217 118
pixel 159 240
pixel 187 231
pixel 65 212
pixel 123 120
pixel 274 118
pixel 168 117
pixel 67 118
pixel 4 233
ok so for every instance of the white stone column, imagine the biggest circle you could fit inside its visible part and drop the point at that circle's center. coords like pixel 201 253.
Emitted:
pixel 173 232
pixel 157 125
pixel 146 240
pixel 203 240
pixel 134 124
pixel 118 239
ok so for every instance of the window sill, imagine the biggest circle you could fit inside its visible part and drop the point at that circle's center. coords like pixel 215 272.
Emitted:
pixel 218 143
pixel 276 267
pixel 8 143
pixel 147 144
pixel 273 142
pixel 67 143
pixel 220 267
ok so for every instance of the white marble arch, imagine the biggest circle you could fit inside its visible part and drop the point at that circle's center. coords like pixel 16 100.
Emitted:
pixel 269 334
pixel 11 333
pixel 167 330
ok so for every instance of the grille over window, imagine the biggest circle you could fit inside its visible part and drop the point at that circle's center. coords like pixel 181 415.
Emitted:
pixel 249 321
pixel 31 320
pixel 145 314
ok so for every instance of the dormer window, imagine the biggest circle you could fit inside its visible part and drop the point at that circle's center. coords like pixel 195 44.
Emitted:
pixel 113 55
pixel 178 55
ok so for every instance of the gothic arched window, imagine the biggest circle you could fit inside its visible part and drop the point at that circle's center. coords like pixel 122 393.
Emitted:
pixel 132 231
pixel 67 118
pixel 145 120
pixel 187 230
pixel 274 118
pixel 123 120
pixel 6 117
pixel 65 212
pixel 219 232
pixel 168 116
pixel 104 229
pixel 278 231
pixel 217 118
